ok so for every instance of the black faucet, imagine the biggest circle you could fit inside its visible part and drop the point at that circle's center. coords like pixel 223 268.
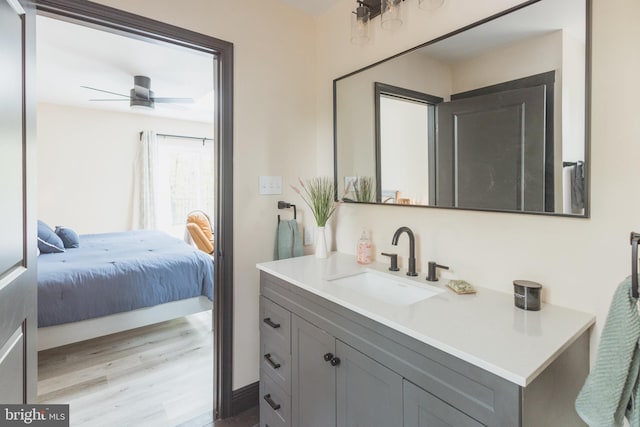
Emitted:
pixel 412 248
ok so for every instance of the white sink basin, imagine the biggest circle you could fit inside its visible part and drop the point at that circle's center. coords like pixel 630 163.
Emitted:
pixel 383 287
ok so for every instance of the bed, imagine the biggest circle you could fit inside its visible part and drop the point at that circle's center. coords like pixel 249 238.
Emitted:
pixel 119 281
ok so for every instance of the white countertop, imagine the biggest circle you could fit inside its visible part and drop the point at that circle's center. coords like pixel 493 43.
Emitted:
pixel 484 329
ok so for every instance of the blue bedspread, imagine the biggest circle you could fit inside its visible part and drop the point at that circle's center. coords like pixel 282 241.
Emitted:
pixel 116 272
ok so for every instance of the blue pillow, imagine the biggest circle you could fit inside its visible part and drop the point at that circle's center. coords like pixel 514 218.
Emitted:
pixel 69 237
pixel 48 241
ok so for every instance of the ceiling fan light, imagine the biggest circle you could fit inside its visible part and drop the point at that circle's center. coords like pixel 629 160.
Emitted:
pixel 141 104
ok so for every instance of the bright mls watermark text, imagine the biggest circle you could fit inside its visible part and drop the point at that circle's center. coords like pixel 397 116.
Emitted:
pixel 34 415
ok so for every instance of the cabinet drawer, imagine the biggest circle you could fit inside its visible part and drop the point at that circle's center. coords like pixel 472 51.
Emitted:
pixel 276 363
pixel 275 325
pixel 422 409
pixel 275 404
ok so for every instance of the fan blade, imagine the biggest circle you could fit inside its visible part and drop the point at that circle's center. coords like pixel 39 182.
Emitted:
pixel 105 91
pixel 174 100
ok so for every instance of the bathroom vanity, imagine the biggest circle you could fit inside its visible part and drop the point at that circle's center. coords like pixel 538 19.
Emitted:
pixel 335 354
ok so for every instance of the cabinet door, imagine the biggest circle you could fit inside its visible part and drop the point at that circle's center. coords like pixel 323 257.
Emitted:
pixel 368 394
pixel 422 409
pixel 313 380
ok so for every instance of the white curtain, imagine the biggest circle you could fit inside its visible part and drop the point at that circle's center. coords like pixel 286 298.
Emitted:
pixel 146 197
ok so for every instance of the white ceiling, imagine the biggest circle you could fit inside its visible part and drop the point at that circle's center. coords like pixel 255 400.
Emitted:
pixel 532 21
pixel 70 56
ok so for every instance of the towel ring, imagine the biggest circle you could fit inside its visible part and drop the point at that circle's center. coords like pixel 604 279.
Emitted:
pixel 285 205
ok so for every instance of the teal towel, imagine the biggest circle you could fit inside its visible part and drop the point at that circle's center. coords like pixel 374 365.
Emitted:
pixel 611 390
pixel 288 240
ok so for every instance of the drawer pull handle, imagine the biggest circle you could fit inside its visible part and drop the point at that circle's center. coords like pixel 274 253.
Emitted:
pixel 335 361
pixel 269 322
pixel 274 405
pixel 273 364
pixel 328 357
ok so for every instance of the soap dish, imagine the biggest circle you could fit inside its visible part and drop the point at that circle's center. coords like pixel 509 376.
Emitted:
pixel 461 287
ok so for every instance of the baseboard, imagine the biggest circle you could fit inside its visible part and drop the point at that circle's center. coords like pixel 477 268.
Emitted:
pixel 245 398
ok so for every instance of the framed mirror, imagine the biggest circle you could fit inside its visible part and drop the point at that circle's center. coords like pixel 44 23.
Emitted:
pixel 494 116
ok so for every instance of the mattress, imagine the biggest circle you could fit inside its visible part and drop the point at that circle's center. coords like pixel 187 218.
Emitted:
pixel 116 272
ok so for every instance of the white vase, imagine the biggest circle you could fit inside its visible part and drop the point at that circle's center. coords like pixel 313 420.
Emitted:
pixel 321 243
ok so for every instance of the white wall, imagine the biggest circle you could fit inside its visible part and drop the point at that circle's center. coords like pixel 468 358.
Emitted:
pixel 274 130
pixel 356 101
pixel 278 66
pixel 85 164
pixel 579 261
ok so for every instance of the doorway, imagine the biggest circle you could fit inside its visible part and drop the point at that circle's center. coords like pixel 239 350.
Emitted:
pixel 130 25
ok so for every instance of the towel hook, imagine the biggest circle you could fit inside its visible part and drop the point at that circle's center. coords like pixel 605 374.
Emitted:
pixel 635 237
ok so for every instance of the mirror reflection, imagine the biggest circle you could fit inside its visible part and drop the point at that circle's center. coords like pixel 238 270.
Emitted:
pixel 490 118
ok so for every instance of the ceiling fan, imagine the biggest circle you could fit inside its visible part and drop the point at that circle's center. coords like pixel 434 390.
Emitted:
pixel 141 95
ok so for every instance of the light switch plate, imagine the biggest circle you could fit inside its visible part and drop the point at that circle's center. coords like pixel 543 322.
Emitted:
pixel 270 185
pixel 308 236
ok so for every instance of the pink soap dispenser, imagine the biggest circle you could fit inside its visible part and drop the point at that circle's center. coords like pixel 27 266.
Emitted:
pixel 365 249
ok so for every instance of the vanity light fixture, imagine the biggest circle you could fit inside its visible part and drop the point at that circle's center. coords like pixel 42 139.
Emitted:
pixel 390 14
pixel 389 11
pixel 360 24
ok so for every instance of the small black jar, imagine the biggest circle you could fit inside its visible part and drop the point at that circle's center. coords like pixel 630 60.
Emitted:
pixel 527 294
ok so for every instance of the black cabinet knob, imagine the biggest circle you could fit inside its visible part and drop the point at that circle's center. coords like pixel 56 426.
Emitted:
pixel 335 361
pixel 328 357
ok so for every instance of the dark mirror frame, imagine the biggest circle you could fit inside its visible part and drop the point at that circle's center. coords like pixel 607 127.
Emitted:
pixel 587 112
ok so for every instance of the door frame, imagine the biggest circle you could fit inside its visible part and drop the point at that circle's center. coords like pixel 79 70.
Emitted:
pixel 117 21
pixel 383 89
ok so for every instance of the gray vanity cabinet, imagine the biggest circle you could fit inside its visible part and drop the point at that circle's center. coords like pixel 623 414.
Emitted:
pixel 313 378
pixel 368 393
pixel 334 384
pixel 422 409
pixel 324 365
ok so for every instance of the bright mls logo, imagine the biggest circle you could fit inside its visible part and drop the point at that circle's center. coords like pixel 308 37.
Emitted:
pixel 34 415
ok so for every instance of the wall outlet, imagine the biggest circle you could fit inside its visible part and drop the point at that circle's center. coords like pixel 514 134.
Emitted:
pixel 270 185
pixel 308 236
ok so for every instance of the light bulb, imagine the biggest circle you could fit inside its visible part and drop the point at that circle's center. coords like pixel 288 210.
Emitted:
pixel 390 14
pixel 360 25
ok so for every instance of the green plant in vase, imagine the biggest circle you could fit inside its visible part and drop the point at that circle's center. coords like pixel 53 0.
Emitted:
pixel 319 194
pixel 363 189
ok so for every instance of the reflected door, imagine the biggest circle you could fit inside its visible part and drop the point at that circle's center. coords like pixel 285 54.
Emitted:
pixel 490 151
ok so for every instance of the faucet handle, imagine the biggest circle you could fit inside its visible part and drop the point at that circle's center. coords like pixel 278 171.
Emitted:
pixel 394 261
pixel 431 273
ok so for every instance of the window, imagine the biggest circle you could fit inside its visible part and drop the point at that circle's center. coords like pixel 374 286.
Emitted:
pixel 186 179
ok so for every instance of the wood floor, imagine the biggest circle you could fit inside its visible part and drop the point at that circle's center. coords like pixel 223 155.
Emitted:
pixel 159 375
